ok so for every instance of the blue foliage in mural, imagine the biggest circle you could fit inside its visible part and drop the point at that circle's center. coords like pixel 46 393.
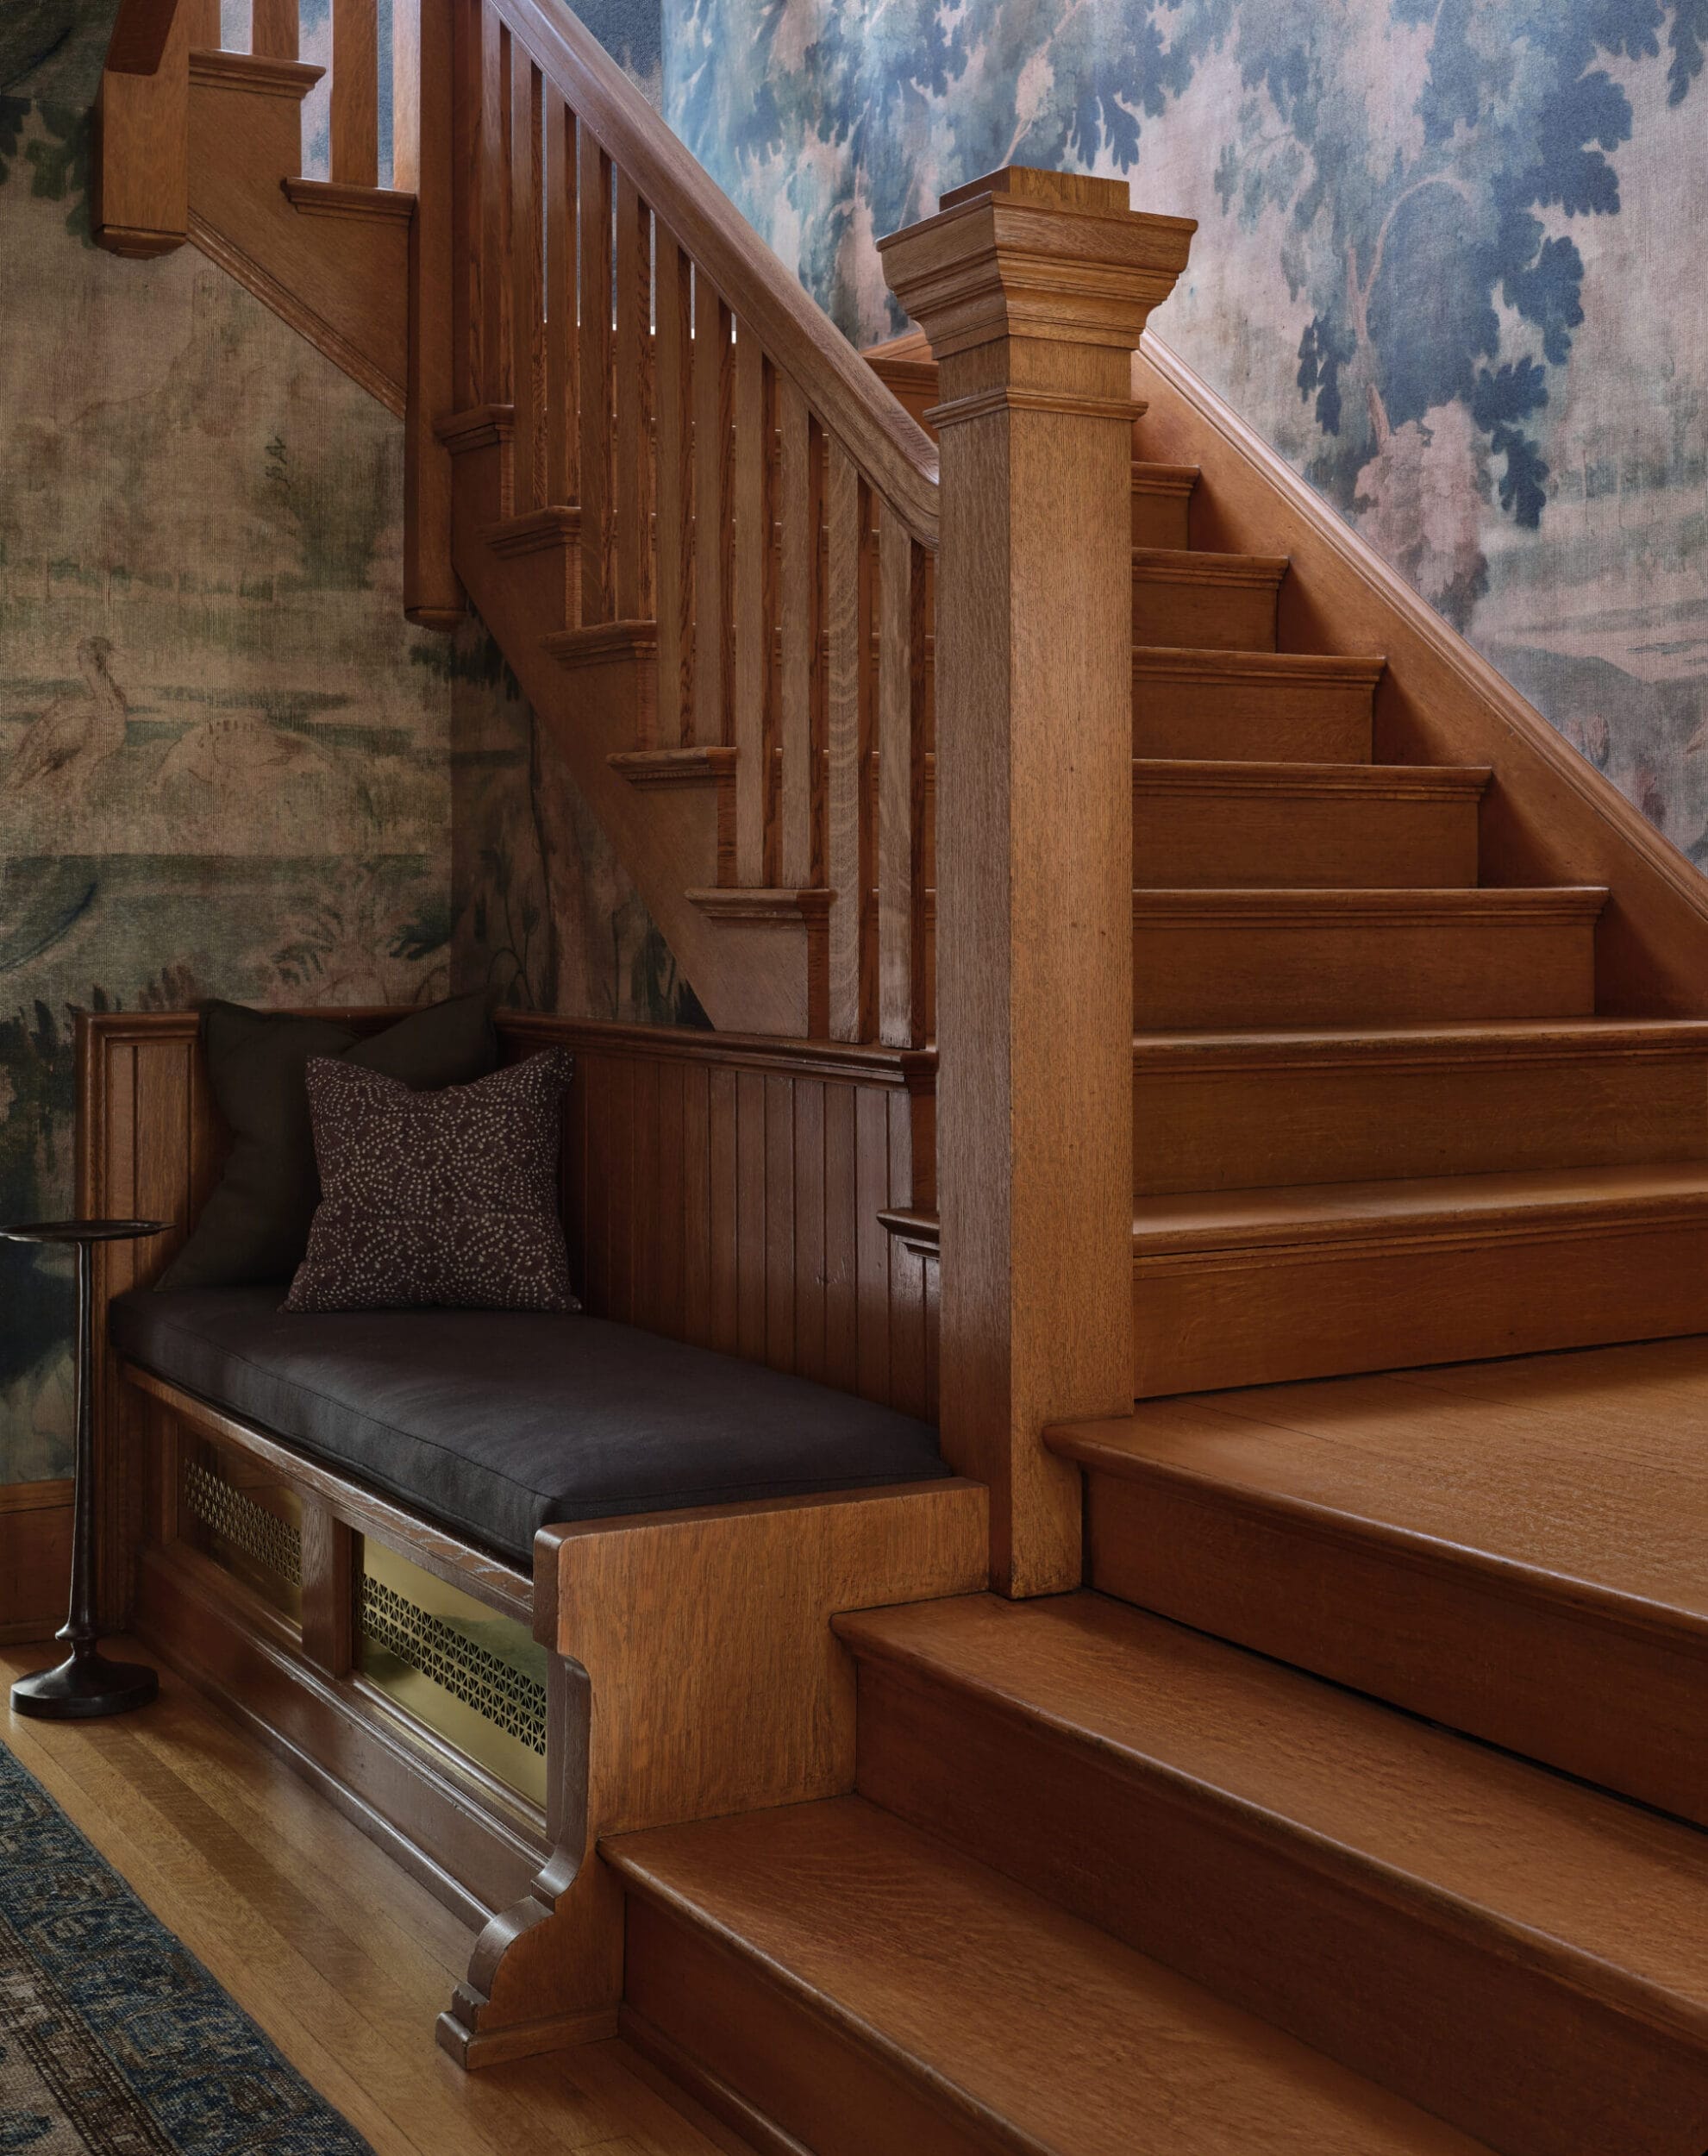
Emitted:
pixel 1431 271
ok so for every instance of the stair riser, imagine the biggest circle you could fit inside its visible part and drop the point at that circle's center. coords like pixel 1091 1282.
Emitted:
pixel 764 2062
pixel 1200 616
pixel 1545 1675
pixel 1186 841
pixel 1373 970
pixel 1237 1129
pixel 547 583
pixel 1263 1316
pixel 1249 721
pixel 1160 519
pixel 1308 1939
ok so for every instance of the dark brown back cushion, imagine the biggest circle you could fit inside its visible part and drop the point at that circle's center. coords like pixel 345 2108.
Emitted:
pixel 255 1224
pixel 446 1199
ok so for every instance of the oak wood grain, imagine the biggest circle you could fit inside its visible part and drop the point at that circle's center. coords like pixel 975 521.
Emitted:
pixel 355 92
pixel 865 1986
pixel 1034 850
pixel 1521 1955
pixel 1519 1536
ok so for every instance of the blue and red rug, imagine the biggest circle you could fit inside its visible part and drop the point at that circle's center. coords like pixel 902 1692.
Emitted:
pixel 114 2040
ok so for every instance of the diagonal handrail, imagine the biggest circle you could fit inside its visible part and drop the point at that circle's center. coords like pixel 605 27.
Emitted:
pixel 892 451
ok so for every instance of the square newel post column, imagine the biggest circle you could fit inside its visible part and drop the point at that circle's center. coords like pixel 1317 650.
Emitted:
pixel 1033 288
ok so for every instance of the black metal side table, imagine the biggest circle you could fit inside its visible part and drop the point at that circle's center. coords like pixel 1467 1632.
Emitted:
pixel 86 1682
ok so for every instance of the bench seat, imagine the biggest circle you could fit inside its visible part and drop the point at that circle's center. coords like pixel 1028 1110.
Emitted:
pixel 492 1423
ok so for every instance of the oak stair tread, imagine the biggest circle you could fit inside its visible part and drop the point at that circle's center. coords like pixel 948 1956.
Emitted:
pixel 1611 1898
pixel 1033 2032
pixel 1579 1476
pixel 1424 1205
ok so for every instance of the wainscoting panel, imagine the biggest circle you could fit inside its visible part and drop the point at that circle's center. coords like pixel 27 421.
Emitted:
pixel 726 1190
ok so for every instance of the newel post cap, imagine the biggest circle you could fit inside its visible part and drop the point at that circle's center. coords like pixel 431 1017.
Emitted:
pixel 1057 257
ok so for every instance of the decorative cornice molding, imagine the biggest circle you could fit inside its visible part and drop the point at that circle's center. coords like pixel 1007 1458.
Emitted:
pixel 1012 397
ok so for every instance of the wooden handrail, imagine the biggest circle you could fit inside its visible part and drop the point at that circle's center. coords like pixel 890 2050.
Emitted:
pixel 891 451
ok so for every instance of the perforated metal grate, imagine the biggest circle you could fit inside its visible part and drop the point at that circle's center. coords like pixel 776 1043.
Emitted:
pixel 263 1537
pixel 507 1698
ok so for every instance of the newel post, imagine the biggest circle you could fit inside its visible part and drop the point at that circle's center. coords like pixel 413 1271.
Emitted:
pixel 1033 288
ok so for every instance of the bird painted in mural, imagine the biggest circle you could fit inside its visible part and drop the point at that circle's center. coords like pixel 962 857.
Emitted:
pixel 78 730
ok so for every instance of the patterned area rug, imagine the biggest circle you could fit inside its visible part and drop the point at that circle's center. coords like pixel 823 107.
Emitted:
pixel 114 2040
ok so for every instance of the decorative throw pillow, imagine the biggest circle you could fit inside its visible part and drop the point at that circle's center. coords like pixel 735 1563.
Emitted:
pixel 436 1198
pixel 255 1223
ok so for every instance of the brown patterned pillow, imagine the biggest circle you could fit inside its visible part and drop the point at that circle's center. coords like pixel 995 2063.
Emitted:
pixel 443 1198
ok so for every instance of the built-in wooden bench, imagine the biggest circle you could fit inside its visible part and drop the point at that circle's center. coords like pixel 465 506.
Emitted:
pixel 487 1711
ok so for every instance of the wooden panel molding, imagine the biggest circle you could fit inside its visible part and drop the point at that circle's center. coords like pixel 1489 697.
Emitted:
pixel 726 1190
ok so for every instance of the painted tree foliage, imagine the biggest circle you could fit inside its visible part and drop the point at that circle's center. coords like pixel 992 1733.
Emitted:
pixel 1427 227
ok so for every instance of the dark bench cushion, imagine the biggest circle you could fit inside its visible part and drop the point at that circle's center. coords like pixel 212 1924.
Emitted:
pixel 495 1422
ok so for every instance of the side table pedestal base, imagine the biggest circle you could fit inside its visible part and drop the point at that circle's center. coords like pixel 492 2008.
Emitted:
pixel 84 1686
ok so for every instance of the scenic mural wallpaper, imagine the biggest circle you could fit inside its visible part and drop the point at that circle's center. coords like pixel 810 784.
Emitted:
pixel 1446 263
pixel 228 765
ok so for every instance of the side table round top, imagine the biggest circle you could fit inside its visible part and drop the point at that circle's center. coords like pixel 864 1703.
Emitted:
pixel 81 1231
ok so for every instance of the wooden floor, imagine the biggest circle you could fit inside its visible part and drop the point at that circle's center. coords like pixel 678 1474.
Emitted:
pixel 343 1960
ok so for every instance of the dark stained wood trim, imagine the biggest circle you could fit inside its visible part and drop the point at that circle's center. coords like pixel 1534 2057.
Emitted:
pixel 463 1564
pixel 332 1732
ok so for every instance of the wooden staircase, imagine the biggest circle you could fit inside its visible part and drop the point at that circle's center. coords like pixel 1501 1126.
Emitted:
pixel 1256 1828
pixel 1117 1877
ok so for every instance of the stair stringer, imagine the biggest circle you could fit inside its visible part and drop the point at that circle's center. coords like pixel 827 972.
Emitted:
pixel 341 280
pixel 751 975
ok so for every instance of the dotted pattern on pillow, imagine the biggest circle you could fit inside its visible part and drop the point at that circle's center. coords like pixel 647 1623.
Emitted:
pixel 446 1199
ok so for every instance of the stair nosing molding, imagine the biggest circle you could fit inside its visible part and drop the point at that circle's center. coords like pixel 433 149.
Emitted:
pixel 297 313
pixel 1191 662
pixel 1167 479
pixel 535 531
pixel 1331 1242
pixel 773 906
pixel 338 199
pixel 686 767
pixel 479 427
pixel 1179 564
pixel 1167 1057
pixel 1512 905
pixel 1681 1631
pixel 1309 1849
pixel 918 2075
pixel 1172 1057
pixel 213 68
pixel 599 643
pixel 1172 777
